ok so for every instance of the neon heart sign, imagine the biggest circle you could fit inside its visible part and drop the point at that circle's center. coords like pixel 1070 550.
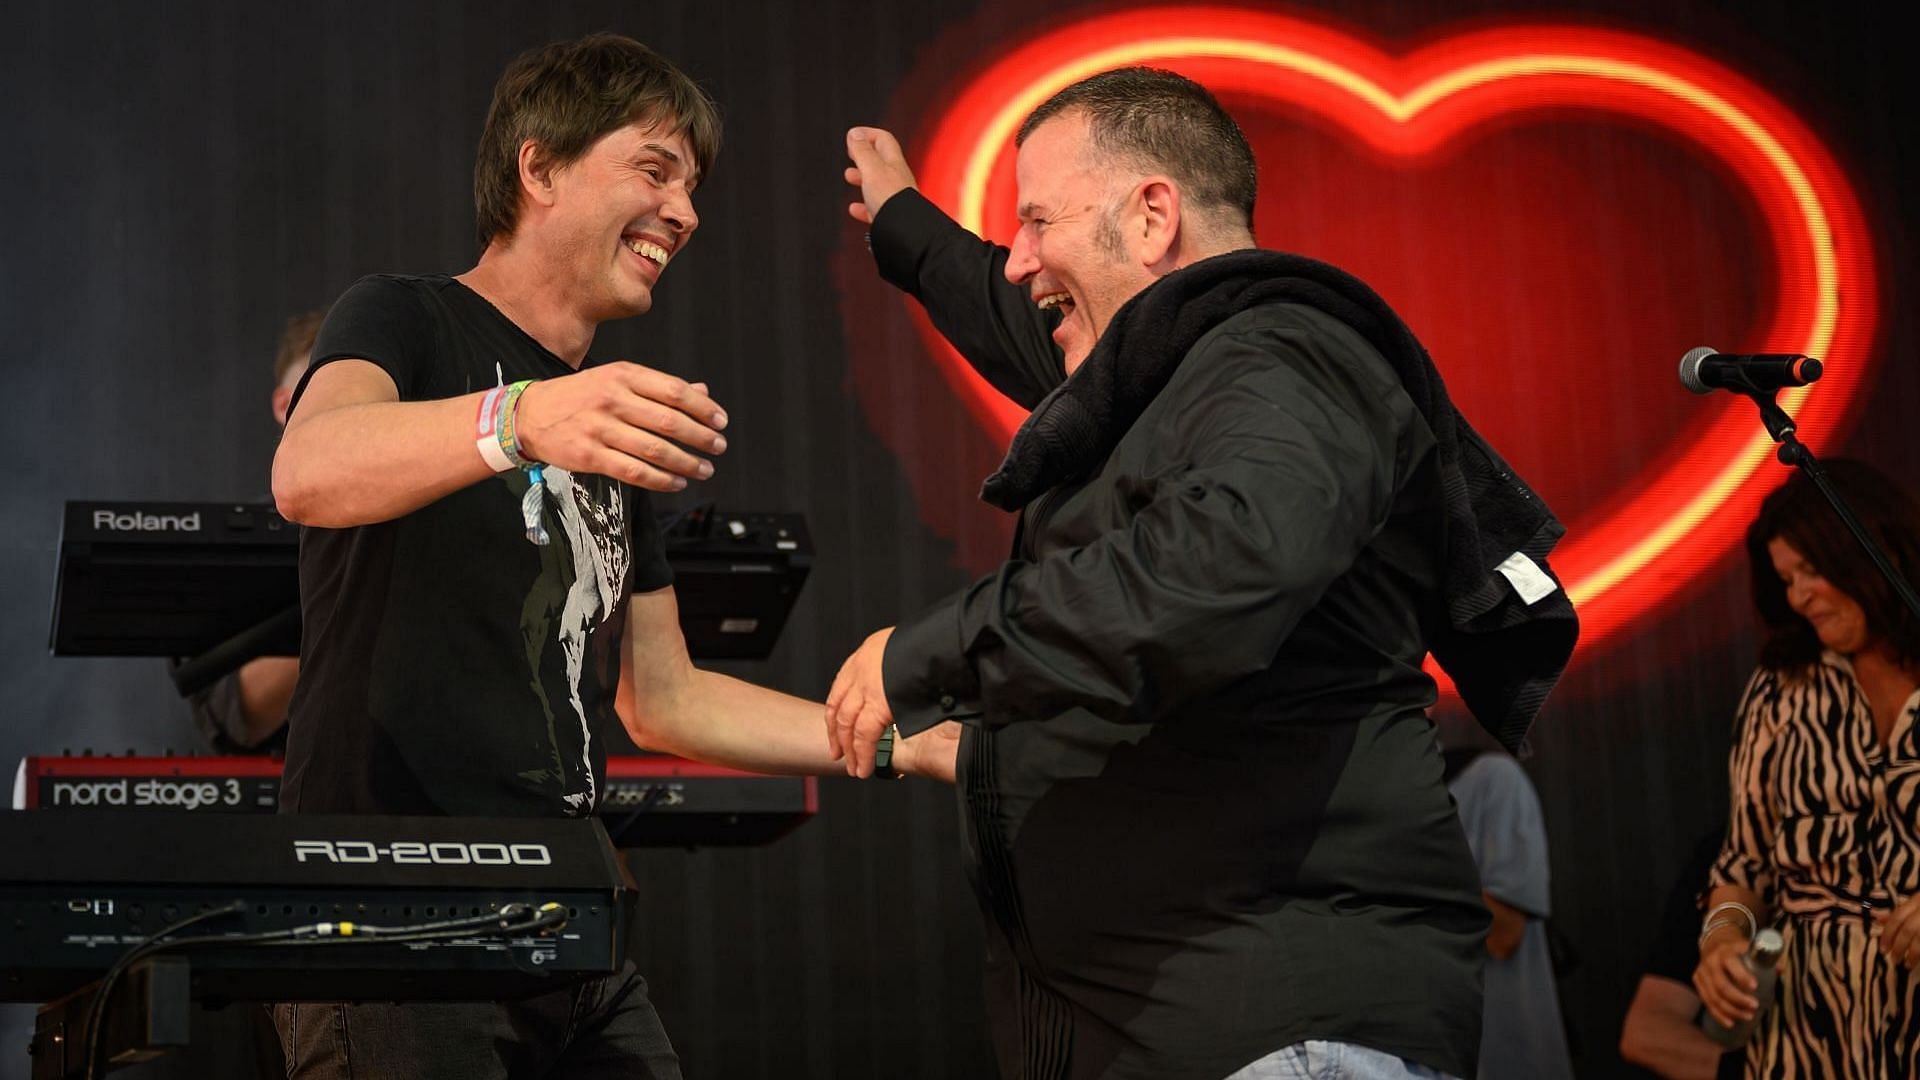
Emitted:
pixel 1641 548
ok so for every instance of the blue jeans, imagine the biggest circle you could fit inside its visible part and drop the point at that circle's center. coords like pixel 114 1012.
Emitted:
pixel 1320 1059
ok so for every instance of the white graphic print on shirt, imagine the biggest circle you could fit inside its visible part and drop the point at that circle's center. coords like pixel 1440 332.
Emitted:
pixel 597 532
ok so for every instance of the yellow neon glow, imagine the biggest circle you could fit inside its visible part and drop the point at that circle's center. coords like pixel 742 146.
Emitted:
pixel 1401 109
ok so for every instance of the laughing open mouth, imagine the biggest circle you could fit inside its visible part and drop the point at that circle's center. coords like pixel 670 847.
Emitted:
pixel 648 250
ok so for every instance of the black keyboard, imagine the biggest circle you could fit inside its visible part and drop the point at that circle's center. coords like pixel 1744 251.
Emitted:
pixel 79 888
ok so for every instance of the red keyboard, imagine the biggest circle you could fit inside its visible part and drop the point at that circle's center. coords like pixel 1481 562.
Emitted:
pixel 651 800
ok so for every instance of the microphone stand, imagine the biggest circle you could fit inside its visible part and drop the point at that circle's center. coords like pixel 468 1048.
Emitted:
pixel 268 637
pixel 1795 453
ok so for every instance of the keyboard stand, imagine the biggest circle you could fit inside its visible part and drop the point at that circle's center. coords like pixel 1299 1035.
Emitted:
pixel 150 1015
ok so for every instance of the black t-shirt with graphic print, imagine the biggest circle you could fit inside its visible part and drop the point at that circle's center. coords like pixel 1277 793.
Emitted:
pixel 448 664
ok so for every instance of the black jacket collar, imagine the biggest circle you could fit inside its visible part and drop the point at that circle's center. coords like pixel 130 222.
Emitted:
pixel 1503 653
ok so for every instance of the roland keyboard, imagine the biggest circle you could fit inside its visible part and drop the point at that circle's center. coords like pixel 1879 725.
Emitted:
pixel 179 579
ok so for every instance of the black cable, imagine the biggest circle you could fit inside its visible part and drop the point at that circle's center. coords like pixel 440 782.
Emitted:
pixel 494 924
pixel 499 922
pixel 651 798
pixel 97 1008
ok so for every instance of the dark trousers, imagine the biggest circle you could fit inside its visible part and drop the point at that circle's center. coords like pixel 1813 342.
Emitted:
pixel 603 1028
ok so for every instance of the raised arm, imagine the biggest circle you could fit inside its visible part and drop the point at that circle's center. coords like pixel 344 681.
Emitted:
pixel 958 278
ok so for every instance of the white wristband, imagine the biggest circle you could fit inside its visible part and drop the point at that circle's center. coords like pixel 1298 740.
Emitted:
pixel 490 452
pixel 487 426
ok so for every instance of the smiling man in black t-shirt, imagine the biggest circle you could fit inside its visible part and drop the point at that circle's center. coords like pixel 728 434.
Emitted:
pixel 483 588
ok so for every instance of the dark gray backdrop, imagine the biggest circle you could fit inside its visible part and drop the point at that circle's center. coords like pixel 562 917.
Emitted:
pixel 179 177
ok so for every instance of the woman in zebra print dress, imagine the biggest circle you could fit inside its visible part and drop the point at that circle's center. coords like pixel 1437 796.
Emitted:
pixel 1824 837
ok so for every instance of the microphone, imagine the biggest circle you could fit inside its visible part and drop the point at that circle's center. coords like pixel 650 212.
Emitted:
pixel 1702 371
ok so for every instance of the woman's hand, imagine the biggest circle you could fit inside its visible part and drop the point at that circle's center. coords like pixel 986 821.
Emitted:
pixel 1722 980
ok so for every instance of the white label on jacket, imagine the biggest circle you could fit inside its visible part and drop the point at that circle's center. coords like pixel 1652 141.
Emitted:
pixel 1526 577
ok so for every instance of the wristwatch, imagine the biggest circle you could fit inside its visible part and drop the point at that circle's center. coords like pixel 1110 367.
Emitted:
pixel 883 756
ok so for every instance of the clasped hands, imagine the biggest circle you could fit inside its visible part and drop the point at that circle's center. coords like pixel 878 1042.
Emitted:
pixel 857 709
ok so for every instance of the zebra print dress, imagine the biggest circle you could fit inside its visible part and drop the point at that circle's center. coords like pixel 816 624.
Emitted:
pixel 1823 829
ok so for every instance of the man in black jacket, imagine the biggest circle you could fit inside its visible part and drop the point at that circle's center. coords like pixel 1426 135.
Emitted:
pixel 1203 803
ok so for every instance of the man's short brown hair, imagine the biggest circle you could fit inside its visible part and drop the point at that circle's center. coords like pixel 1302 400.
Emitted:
pixel 296 343
pixel 1164 122
pixel 565 97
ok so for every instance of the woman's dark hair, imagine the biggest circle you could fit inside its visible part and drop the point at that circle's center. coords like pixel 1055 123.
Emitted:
pixel 1797 513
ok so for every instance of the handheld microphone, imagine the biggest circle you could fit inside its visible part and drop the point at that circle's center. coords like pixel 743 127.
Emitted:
pixel 1702 371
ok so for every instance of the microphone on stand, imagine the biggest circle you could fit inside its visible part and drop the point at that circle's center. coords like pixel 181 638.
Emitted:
pixel 1703 371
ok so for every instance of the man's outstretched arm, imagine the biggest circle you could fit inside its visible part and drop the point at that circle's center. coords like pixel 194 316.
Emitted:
pixel 670 705
pixel 360 447
pixel 355 454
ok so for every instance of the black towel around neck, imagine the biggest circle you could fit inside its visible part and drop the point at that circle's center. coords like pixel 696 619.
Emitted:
pixel 1503 654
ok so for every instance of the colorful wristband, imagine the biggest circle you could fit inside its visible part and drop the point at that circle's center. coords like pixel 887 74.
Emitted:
pixel 499 446
pixel 508 433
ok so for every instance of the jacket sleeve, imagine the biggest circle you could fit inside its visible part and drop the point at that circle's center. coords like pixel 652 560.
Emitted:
pixel 960 281
pixel 1287 474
